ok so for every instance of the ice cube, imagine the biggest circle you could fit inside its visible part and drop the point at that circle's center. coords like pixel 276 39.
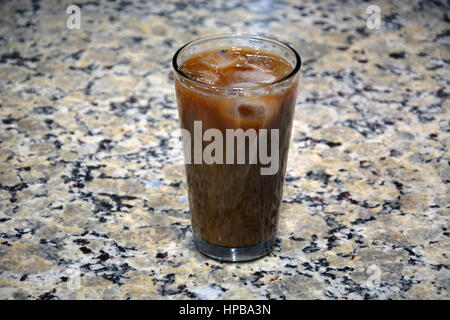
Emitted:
pixel 255 76
pixel 251 110
pixel 204 76
pixel 218 60
pixel 242 84
pixel 269 64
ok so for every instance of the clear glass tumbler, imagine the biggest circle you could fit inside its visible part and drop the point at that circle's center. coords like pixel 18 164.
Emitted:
pixel 235 205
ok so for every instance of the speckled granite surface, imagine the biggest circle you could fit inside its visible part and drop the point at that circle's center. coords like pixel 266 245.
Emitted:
pixel 91 173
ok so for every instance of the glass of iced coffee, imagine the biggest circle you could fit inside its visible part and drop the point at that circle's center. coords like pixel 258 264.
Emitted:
pixel 236 99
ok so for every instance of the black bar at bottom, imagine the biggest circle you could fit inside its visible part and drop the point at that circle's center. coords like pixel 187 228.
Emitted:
pixel 225 309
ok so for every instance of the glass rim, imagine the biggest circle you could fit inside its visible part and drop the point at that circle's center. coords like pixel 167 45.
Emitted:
pixel 294 71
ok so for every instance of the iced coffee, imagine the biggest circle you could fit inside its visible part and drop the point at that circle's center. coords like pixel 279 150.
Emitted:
pixel 236 96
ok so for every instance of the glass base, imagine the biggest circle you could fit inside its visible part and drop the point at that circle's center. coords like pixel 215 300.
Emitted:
pixel 238 254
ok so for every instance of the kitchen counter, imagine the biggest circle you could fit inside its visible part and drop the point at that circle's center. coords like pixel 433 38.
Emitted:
pixel 93 201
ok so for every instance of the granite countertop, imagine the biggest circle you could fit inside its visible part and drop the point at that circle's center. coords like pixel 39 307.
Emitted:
pixel 93 200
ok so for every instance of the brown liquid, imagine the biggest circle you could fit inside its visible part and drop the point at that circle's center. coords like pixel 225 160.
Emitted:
pixel 233 205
